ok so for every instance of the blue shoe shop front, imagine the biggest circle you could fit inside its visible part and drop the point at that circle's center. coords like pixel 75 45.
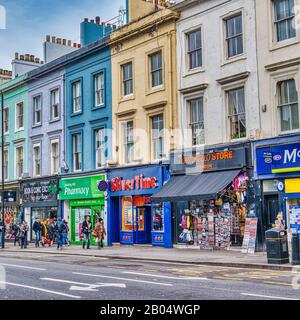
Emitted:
pixel 132 217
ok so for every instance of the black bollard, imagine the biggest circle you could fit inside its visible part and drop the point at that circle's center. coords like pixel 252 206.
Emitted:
pixel 295 249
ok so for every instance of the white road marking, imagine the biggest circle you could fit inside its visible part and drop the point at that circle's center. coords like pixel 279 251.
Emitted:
pixel 22 267
pixel 88 286
pixel 123 279
pixel 40 289
pixel 162 276
pixel 263 296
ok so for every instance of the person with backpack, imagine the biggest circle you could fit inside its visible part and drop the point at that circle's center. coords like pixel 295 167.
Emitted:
pixel 86 230
pixel 59 229
pixel 37 228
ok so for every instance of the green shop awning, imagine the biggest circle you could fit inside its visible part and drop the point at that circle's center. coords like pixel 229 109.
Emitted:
pixel 195 187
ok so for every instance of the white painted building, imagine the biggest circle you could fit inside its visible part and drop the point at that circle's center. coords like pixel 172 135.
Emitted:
pixel 217 71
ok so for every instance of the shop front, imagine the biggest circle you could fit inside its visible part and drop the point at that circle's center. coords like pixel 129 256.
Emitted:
pixel 133 217
pixel 277 171
pixel 210 191
pixel 12 212
pixel 81 198
pixel 39 200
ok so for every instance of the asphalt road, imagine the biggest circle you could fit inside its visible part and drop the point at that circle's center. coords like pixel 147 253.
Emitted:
pixel 34 276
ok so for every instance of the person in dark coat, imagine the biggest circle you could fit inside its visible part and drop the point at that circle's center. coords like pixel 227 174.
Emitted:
pixel 23 234
pixel 37 228
pixel 86 230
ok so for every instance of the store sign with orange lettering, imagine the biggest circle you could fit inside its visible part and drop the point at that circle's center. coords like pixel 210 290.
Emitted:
pixel 199 160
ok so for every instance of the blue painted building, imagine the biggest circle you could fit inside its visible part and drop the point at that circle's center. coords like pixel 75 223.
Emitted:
pixel 88 104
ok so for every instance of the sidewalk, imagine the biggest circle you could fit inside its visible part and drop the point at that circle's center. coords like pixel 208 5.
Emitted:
pixel 231 258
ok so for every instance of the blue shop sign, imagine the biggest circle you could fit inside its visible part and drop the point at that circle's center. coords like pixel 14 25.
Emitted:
pixel 136 181
pixel 278 159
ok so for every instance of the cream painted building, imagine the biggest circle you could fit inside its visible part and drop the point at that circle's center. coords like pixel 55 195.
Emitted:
pixel 217 71
pixel 144 84
pixel 278 43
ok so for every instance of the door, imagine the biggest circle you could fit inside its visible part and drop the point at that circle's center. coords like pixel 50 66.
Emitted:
pixel 271 210
pixel 142 225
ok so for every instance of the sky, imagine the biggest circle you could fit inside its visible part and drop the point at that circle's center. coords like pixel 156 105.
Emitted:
pixel 29 21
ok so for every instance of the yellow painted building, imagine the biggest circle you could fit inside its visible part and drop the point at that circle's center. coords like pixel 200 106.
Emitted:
pixel 144 84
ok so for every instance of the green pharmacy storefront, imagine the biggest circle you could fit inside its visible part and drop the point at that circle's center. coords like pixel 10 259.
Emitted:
pixel 81 197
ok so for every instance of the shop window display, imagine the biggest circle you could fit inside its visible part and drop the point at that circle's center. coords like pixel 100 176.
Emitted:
pixel 10 217
pixel 218 223
pixel 158 217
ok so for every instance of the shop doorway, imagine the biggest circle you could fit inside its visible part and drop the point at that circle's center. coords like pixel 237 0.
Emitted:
pixel 142 225
pixel 271 210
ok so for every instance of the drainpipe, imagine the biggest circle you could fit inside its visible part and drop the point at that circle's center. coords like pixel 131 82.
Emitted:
pixel 171 87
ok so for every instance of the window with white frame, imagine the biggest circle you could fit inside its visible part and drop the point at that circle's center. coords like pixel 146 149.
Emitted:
pixel 100 147
pixel 20 116
pixel 76 95
pixel 156 70
pixel 234 35
pixel 288 105
pixel 19 161
pixel 194 49
pixel 54 156
pixel 6 120
pixel 157 124
pixel 127 79
pixel 54 104
pixel 237 113
pixel 196 125
pixel 99 89
pixel 37 159
pixel 37 110
pixel 77 151
pixel 6 164
pixel 128 142
pixel 284 19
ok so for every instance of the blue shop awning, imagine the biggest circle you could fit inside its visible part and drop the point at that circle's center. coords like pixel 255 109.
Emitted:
pixel 195 187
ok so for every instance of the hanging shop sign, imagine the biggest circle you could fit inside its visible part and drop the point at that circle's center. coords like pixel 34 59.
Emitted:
pixel 80 188
pixel 278 159
pixel 205 160
pixel 134 181
pixel 39 190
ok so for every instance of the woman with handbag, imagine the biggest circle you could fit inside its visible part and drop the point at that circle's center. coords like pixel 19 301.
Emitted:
pixel 99 233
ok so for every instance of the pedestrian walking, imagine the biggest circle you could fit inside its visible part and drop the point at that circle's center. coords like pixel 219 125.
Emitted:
pixel 23 234
pixel 50 232
pixel 37 228
pixel 59 229
pixel 86 230
pixel 16 233
pixel 2 232
pixel 99 233
pixel 66 233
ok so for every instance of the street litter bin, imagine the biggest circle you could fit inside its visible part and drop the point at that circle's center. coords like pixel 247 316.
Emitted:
pixel 277 246
pixel 295 249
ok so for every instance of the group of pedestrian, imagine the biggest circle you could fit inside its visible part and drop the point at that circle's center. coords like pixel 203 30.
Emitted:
pixel 98 233
pixel 48 231
pixel 20 232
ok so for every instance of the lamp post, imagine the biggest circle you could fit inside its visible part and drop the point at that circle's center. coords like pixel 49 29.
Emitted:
pixel 2 170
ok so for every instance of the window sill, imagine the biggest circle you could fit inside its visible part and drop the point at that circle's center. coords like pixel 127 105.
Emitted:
pixel 155 90
pixel 283 44
pixel 19 130
pixel 37 125
pixel 234 59
pixel 191 72
pixel 102 106
pixel 127 98
pixel 239 140
pixel 76 114
pixel 54 120
pixel 287 133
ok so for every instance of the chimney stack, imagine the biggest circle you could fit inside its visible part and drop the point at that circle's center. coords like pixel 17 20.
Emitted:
pixel 97 20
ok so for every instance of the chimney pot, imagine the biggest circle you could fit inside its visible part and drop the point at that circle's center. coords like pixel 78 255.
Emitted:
pixel 42 62
pixel 64 42
pixel 58 40
pixel 53 39
pixel 32 58
pixel 103 23
pixel 114 26
pixel 69 43
pixel 17 56
pixel 78 45
pixel 22 57
pixel 97 20
pixel 92 21
pixel 75 45
pixel 27 57
pixel 86 19
pixel 48 38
